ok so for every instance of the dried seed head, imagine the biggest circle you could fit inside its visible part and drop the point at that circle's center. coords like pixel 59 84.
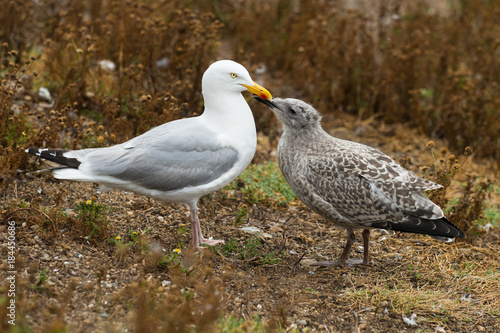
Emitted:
pixel 424 168
pixel 444 151
pixel 429 144
pixel 452 158
pixel 467 151
pixel 5 45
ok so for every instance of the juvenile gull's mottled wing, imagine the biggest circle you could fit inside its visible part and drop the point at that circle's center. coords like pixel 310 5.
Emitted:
pixel 367 186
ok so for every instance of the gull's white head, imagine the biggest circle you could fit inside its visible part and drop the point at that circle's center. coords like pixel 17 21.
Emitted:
pixel 229 77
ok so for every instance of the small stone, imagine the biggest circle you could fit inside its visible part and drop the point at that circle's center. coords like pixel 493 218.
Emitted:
pixel 250 230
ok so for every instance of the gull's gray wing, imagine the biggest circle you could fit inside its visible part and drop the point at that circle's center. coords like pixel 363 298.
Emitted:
pixel 167 158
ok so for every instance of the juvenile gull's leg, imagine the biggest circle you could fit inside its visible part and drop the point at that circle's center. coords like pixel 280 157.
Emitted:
pixel 342 262
pixel 366 240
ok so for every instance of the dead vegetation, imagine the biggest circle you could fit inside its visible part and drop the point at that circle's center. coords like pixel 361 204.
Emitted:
pixel 114 69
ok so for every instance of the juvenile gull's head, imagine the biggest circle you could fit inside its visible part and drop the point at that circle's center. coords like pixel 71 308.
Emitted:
pixel 293 113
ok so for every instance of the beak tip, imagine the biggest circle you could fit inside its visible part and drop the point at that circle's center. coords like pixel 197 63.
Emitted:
pixel 266 101
pixel 264 96
pixel 259 91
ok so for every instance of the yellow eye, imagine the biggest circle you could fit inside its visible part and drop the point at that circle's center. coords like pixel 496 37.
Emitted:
pixel 233 75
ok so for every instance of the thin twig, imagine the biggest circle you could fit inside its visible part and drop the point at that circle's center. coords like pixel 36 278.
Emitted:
pixel 21 209
pixel 297 262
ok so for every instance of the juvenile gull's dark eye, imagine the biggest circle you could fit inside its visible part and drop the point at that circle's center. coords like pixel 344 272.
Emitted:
pixel 292 110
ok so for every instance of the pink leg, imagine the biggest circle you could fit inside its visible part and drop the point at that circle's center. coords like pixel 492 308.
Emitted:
pixel 198 238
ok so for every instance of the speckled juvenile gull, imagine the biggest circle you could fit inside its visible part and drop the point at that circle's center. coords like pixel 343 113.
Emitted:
pixel 353 185
pixel 182 160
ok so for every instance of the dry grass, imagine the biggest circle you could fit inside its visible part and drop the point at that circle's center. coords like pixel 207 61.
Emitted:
pixel 401 62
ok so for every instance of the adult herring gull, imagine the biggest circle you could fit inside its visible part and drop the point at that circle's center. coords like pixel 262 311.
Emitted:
pixel 181 160
pixel 350 184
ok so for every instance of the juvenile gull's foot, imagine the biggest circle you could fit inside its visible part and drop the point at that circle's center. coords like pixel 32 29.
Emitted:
pixel 348 262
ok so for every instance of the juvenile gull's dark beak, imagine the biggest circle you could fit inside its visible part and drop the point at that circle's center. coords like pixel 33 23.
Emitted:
pixel 266 102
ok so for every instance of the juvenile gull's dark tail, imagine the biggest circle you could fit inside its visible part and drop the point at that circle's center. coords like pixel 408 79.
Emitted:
pixel 440 229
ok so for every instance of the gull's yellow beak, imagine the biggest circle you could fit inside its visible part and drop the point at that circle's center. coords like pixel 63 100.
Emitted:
pixel 259 91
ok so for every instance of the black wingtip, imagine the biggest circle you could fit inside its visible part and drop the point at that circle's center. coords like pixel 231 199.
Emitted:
pixel 435 228
pixel 461 234
pixel 33 151
pixel 55 155
pixel 267 102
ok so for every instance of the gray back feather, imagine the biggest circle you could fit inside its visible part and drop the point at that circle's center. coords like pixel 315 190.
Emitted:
pixel 162 159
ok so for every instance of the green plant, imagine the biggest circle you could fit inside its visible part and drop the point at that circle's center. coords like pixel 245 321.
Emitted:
pixel 42 277
pixel 172 258
pixel 182 229
pixel 94 216
pixel 311 290
pixel 252 251
pixel 492 215
pixel 263 183
pixel 241 214
pixel 254 324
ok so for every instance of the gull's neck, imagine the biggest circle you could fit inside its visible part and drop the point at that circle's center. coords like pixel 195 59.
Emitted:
pixel 231 117
pixel 297 139
pixel 228 109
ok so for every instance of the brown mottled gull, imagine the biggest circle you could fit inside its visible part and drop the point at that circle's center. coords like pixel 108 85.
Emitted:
pixel 182 160
pixel 353 185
